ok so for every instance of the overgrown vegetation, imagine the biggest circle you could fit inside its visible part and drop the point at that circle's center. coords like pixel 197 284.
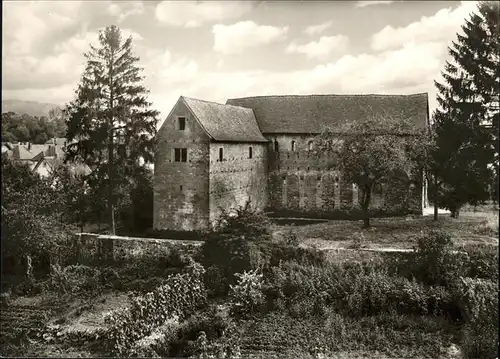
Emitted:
pixel 263 295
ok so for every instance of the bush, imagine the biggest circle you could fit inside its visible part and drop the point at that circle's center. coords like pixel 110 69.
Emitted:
pixel 180 296
pixel 479 303
pixel 243 222
pixel 435 260
pixel 75 280
pixel 290 239
pixel 483 261
pixel 203 334
pixel 231 255
pixel 354 289
pixel 216 282
pixel 246 296
pixel 275 253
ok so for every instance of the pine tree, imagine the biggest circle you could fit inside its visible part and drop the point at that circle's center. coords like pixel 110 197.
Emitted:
pixel 111 126
pixel 465 144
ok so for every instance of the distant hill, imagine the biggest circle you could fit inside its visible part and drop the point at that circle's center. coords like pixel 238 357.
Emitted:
pixel 32 108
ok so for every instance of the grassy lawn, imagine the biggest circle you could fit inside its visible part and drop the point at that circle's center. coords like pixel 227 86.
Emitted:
pixel 479 227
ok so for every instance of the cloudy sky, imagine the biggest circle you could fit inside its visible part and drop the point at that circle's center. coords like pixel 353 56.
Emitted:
pixel 217 50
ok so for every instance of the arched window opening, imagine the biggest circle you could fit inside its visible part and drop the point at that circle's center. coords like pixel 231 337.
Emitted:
pixel 293 146
pixel 310 146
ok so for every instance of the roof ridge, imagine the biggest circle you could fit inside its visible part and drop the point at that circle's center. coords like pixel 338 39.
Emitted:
pixel 339 95
pixel 215 103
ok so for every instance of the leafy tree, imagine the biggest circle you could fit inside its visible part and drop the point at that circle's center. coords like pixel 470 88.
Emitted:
pixel 26 128
pixel 466 124
pixel 30 216
pixel 110 122
pixel 373 152
pixel 136 214
pixel 74 194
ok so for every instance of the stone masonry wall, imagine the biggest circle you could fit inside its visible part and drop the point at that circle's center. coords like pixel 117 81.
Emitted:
pixel 301 181
pixel 95 248
pixel 237 178
pixel 181 189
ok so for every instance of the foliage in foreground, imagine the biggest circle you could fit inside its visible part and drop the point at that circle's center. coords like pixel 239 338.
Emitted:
pixel 180 296
pixel 31 214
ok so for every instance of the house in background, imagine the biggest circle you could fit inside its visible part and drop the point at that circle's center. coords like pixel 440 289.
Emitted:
pixel 42 159
pixel 212 157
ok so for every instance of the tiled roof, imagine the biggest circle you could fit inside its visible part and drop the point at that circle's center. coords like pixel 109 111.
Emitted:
pixel 225 122
pixel 310 114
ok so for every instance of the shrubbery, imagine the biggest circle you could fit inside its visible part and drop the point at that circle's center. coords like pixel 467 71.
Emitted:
pixel 180 296
pixel 208 334
pixel 354 290
pixel 75 280
pixel 435 260
pixel 479 303
pixel 243 222
pixel 483 261
pixel 246 296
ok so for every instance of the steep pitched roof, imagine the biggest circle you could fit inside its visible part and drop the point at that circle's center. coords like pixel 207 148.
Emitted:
pixel 226 122
pixel 20 152
pixel 310 114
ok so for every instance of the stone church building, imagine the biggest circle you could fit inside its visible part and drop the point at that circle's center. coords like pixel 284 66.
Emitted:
pixel 211 156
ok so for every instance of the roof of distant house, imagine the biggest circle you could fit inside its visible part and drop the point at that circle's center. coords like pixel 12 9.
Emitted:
pixel 33 152
pixel 59 141
pixel 225 122
pixel 312 113
pixel 54 162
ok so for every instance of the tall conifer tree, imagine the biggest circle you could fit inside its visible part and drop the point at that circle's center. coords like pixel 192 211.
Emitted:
pixel 466 124
pixel 111 125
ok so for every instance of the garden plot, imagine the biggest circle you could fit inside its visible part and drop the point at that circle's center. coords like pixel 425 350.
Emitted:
pixel 88 317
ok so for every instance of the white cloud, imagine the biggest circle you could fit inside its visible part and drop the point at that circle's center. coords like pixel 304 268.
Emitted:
pixel 441 26
pixel 325 46
pixel 126 33
pixel 410 69
pixel 197 13
pixel 125 9
pixel 233 39
pixel 373 2
pixel 40 20
pixel 317 29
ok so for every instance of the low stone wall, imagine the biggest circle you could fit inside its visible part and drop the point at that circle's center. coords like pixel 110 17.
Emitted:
pixel 91 247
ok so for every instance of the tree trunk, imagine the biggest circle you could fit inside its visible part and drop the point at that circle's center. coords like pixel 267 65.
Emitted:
pixel 365 205
pixel 29 268
pixel 455 212
pixel 111 209
pixel 436 205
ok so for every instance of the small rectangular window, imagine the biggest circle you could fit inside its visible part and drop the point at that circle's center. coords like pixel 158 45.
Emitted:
pixel 181 121
pixel 180 155
pixel 250 152
pixel 221 154
pixel 293 146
